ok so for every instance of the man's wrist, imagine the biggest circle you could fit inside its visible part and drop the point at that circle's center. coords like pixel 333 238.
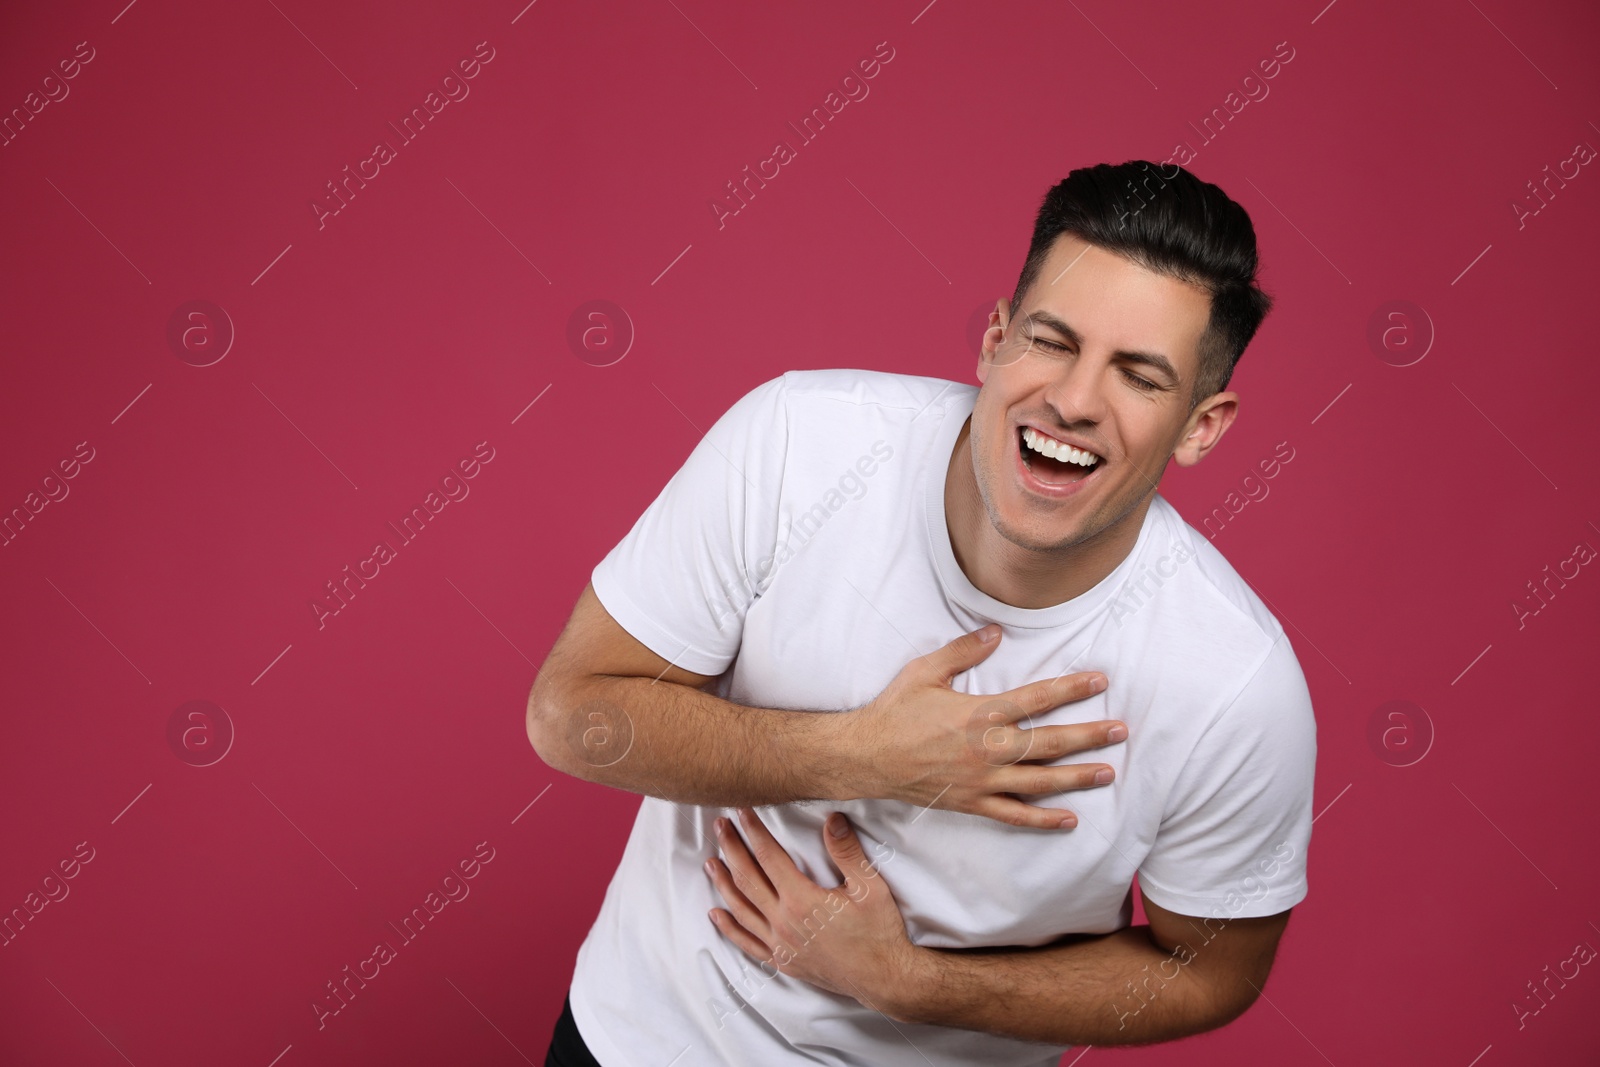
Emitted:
pixel 837 766
pixel 900 995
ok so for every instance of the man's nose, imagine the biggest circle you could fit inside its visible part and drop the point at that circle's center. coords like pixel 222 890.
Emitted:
pixel 1079 392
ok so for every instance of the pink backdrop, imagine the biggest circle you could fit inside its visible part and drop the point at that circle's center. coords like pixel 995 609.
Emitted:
pixel 223 383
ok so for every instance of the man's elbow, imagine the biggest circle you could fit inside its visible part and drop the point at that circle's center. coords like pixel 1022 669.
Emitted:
pixel 1235 995
pixel 546 717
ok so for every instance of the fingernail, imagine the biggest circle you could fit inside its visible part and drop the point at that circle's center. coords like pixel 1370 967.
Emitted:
pixel 1117 733
pixel 1099 684
pixel 711 868
pixel 989 633
pixel 1102 777
pixel 836 825
pixel 1068 822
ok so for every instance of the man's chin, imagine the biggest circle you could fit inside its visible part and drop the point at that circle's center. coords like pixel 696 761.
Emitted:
pixel 1043 537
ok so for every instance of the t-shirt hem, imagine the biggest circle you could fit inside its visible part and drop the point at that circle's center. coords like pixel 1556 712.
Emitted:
pixel 594 1036
pixel 632 618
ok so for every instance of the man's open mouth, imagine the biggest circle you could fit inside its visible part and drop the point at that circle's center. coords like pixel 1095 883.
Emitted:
pixel 1054 462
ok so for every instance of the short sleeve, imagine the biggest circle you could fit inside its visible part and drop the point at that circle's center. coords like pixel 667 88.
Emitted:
pixel 1233 839
pixel 684 576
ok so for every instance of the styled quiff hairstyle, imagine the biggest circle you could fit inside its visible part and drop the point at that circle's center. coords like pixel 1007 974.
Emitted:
pixel 1167 221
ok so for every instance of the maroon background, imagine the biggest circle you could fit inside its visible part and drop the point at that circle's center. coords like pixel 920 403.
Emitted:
pixel 371 755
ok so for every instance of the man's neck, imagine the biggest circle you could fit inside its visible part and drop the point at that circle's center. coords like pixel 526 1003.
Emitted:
pixel 1021 577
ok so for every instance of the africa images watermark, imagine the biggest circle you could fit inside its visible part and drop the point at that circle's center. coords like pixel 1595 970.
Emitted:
pixel 53 889
pixel 1526 1008
pixel 1552 582
pixel 53 89
pixel 455 89
pixel 342 990
pixel 1249 889
pixel 804 527
pixel 343 590
pixel 1255 89
pixel 811 126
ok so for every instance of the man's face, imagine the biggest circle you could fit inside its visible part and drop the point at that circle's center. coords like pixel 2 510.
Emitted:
pixel 1102 356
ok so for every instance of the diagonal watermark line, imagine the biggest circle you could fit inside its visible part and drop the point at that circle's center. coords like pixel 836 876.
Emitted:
pixel 124 11
pixel 271 665
pixel 309 441
pixel 1301 632
pixel 861 995
pixel 942 390
pixel 101 632
pixel 1513 44
pixel 313 44
pixel 101 232
pixel 131 803
pixel 924 11
pixel 1324 11
pixel 88 1020
pixel 901 232
pixel 674 263
pixel 274 263
pixel 490 621
pixel 1474 262
pixel 523 12
pixel 702 434
pixel 713 44
pixel 1069 266
pixel 1332 402
pixel 1301 232
pixel 280 1055
pixel 1480 1055
pixel 1330 804
pixel 1288 1020
pixel 885 618
pixel 926 807
pixel 1502 833
pixel 490 1021
pixel 531 803
pixel 501 232
pixel 1502 433
pixel 1473 664
pixel 532 402
pixel 302 833
pixel 1113 44
pixel 132 402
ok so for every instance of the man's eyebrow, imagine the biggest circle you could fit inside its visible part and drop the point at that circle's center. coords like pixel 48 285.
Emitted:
pixel 1148 359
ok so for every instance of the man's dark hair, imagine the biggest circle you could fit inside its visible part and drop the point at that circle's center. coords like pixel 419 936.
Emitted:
pixel 1167 221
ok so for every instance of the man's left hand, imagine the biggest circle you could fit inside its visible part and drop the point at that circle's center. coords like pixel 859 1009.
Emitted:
pixel 849 940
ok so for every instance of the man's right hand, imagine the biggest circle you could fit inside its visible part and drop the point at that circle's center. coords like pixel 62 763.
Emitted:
pixel 924 743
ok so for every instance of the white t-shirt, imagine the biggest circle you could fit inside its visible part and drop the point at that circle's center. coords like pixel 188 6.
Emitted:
pixel 803 543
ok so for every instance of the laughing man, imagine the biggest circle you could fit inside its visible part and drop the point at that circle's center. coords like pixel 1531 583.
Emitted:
pixel 873 612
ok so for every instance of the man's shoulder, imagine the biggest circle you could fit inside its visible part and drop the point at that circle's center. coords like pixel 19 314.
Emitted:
pixel 876 388
pixel 1229 612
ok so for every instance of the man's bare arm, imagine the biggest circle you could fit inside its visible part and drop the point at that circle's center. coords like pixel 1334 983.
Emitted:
pixel 1178 976
pixel 607 709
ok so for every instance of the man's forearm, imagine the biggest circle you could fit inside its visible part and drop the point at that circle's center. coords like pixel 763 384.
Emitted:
pixel 1117 989
pixel 682 744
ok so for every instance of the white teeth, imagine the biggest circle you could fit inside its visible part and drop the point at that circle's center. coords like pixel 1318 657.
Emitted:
pixel 1056 450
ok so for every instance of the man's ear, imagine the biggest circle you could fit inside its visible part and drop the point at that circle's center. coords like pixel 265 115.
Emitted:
pixel 1000 316
pixel 1205 427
